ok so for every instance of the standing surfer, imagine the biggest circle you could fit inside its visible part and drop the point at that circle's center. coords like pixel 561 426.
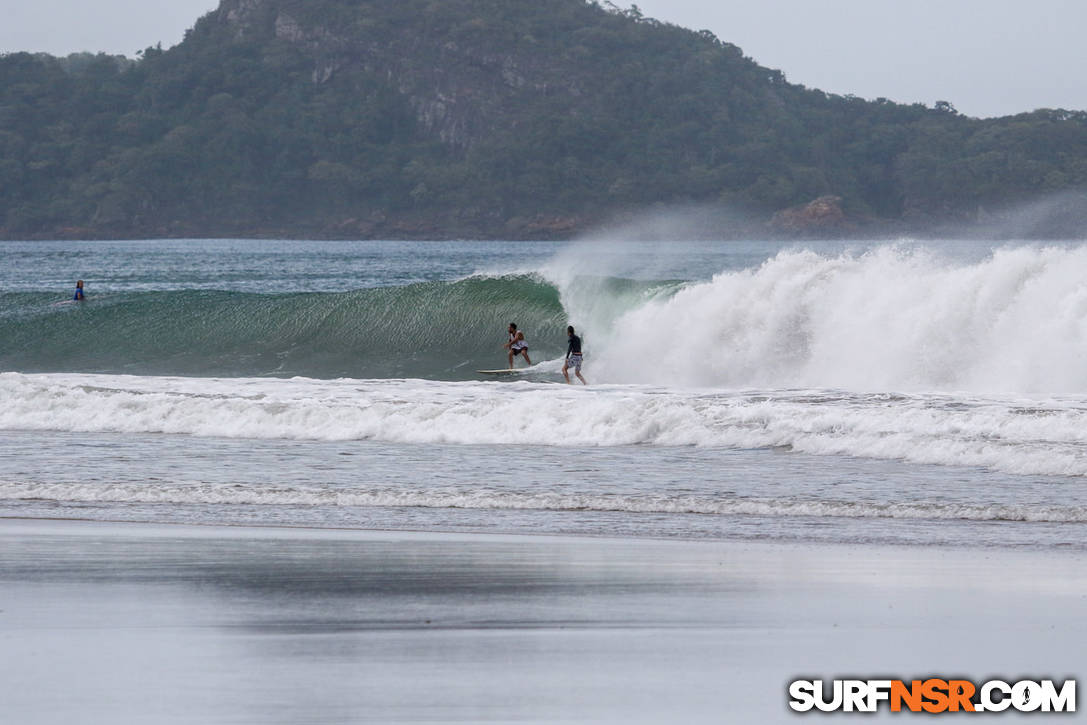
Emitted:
pixel 517 345
pixel 573 356
pixel 78 291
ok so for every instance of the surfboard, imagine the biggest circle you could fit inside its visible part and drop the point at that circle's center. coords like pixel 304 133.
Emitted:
pixel 503 371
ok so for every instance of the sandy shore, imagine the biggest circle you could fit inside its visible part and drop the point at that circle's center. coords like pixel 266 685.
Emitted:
pixel 130 623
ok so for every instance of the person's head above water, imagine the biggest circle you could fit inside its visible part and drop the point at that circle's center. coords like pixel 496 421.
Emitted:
pixel 513 327
pixel 79 284
pixel 570 330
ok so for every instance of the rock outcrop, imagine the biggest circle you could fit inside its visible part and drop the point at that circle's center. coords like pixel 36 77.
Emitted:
pixel 821 217
pixel 459 100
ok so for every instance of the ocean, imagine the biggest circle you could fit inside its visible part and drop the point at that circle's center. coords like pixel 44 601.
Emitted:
pixel 917 393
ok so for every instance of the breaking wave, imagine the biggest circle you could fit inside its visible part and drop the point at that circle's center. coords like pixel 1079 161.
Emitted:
pixel 1011 434
pixel 886 319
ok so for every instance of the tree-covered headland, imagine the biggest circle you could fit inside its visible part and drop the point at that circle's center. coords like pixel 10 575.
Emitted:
pixel 489 118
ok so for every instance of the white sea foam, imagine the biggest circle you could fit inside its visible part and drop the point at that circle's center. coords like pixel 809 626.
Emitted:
pixel 891 318
pixel 1017 435
pixel 247 494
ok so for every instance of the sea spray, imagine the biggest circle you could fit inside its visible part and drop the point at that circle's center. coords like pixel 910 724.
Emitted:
pixel 886 319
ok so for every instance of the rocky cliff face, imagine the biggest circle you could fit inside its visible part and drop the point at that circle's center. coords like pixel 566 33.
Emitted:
pixel 457 99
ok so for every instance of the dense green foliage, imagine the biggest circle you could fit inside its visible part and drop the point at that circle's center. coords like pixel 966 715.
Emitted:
pixel 475 117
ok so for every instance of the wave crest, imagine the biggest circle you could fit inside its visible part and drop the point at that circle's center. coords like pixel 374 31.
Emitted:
pixel 435 329
pixel 886 319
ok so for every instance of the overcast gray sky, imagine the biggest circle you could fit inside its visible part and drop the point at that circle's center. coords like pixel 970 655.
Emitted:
pixel 987 57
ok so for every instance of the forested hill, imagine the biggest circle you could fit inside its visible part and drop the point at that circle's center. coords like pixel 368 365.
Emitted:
pixel 486 118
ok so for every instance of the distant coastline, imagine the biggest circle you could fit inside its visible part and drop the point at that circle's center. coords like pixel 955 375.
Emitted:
pixel 366 120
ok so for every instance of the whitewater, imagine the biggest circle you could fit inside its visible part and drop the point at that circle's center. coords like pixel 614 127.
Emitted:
pixel 907 392
pixel 1014 435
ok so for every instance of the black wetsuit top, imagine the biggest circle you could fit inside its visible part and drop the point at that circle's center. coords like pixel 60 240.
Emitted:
pixel 574 348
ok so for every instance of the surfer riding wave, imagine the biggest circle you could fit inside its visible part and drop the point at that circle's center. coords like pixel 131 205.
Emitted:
pixel 517 345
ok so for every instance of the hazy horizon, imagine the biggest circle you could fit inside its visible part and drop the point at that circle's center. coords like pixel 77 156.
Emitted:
pixel 986 57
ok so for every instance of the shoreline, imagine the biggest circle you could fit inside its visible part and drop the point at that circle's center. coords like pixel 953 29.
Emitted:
pixel 107 622
pixel 800 541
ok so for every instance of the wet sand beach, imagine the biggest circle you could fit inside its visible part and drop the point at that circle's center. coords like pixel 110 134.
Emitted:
pixel 149 623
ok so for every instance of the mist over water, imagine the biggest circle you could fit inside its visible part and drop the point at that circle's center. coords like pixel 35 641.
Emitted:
pixel 1061 215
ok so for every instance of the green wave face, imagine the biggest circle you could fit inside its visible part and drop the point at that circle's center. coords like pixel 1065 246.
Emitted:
pixel 440 330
